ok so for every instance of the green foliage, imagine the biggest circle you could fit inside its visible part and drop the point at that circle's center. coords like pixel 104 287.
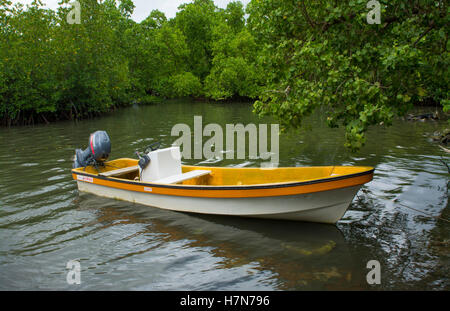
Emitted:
pixel 94 75
pixel 53 69
pixel 293 56
pixel 325 54
pixel 26 71
pixel 160 53
pixel 234 70
pixel 234 16
pixel 50 66
pixel 183 85
pixel 196 21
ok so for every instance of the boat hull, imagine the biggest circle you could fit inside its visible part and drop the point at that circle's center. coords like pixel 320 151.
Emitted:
pixel 323 206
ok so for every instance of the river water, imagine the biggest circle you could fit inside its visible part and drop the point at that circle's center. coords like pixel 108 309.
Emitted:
pixel 45 222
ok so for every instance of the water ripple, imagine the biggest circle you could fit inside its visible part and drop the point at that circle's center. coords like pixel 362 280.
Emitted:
pixel 45 222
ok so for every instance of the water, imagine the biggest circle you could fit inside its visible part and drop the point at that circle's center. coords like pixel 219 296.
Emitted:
pixel 45 222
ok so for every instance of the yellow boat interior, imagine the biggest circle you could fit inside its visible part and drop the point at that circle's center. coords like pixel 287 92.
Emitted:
pixel 126 168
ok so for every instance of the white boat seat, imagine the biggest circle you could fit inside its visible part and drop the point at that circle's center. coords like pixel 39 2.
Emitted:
pixel 120 171
pixel 182 177
pixel 163 163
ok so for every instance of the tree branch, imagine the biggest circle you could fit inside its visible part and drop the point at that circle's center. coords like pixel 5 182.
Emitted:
pixel 425 33
pixel 305 13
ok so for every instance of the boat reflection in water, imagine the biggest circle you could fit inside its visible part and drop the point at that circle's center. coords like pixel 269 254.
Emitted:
pixel 273 254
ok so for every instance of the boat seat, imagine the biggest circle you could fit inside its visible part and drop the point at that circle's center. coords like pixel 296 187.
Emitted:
pixel 182 177
pixel 163 163
pixel 120 171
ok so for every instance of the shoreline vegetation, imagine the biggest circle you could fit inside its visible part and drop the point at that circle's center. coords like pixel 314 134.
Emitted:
pixel 53 70
pixel 287 57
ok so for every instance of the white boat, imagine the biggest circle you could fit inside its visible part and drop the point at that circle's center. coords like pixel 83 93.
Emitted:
pixel 314 194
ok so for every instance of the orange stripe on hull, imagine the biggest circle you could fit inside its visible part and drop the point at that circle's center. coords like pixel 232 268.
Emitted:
pixel 268 190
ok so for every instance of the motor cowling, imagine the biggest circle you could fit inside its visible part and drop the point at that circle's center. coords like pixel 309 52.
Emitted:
pixel 97 152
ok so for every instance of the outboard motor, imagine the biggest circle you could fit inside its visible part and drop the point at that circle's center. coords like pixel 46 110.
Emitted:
pixel 97 152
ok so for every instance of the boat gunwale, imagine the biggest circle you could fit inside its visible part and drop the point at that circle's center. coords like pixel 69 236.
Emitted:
pixel 232 187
